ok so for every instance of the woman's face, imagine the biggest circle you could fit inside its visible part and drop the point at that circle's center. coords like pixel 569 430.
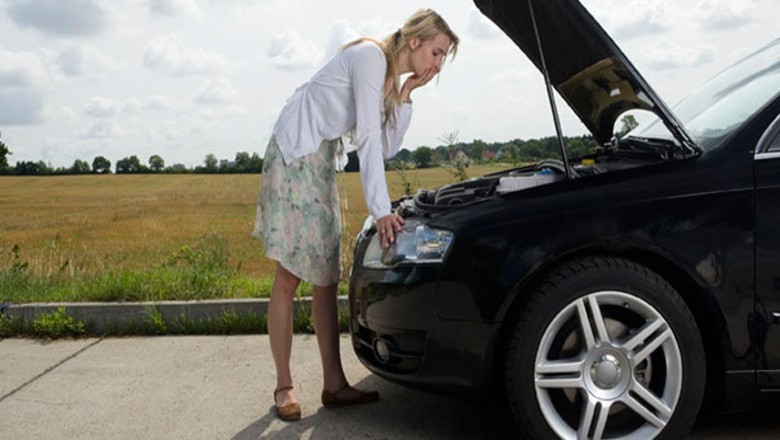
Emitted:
pixel 427 54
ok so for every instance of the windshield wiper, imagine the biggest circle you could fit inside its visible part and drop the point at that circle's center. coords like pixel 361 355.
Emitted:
pixel 660 148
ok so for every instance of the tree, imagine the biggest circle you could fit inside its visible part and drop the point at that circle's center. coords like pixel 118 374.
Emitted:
pixel 101 165
pixel 451 142
pixel 242 161
pixel 226 166
pixel 478 150
pixel 80 167
pixel 513 153
pixel 399 161
pixel 156 163
pixel 128 165
pixel 422 156
pixel 177 168
pixel 580 146
pixel 4 153
pixel 31 168
pixel 404 155
pixel 255 164
pixel 532 149
pixel 440 155
pixel 629 123
pixel 211 163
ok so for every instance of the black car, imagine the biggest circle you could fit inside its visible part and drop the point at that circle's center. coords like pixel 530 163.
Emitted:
pixel 606 296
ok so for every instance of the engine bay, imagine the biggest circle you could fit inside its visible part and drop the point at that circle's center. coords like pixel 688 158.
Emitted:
pixel 617 155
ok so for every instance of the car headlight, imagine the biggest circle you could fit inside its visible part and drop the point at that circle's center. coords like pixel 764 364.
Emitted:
pixel 415 243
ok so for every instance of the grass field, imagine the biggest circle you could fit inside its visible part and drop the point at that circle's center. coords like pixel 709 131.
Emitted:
pixel 99 237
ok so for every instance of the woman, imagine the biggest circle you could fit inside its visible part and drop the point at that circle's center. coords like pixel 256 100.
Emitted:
pixel 356 94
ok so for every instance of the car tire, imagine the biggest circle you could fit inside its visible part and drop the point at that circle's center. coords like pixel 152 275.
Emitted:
pixel 635 370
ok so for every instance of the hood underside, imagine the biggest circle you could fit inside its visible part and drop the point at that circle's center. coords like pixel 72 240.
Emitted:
pixel 583 63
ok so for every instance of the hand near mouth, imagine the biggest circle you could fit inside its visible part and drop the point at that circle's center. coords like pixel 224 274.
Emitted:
pixel 415 81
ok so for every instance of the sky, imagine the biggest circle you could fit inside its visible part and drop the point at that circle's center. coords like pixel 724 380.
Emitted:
pixel 186 78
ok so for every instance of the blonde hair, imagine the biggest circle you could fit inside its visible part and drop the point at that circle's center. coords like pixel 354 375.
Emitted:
pixel 425 24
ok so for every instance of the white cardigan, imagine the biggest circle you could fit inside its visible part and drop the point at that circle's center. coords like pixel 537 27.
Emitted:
pixel 346 97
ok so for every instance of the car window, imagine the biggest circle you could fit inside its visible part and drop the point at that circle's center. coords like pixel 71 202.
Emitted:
pixel 724 103
pixel 770 140
pixel 775 144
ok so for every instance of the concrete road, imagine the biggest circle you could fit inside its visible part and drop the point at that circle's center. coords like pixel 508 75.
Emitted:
pixel 220 388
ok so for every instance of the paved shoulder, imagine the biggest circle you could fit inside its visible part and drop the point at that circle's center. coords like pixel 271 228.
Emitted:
pixel 211 387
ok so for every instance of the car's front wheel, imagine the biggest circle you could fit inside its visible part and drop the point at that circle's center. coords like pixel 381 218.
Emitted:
pixel 604 349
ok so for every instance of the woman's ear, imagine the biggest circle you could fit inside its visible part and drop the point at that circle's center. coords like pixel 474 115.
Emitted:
pixel 414 42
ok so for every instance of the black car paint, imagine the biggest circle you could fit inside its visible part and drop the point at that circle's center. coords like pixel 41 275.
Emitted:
pixel 763 320
pixel 648 201
pixel 692 220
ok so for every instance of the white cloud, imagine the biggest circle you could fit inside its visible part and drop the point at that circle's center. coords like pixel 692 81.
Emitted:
pixel 630 19
pixel 511 76
pixel 159 102
pixel 83 60
pixel 54 148
pixel 20 70
pixel 291 51
pixel 211 116
pixel 175 8
pixel 339 34
pixel 59 17
pixel 645 22
pixel 102 129
pixel 23 81
pixel 720 14
pixel 171 54
pixel 100 107
pixel 668 55
pixel 377 29
pixel 216 92
pixel 481 28
pixel 60 114
pixel 132 105
pixel 20 107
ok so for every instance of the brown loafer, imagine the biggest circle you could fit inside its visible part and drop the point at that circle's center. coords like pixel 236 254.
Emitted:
pixel 332 400
pixel 290 412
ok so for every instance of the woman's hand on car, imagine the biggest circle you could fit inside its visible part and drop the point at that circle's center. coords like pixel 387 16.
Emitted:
pixel 387 227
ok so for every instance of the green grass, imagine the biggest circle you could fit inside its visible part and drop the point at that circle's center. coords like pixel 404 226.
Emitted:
pixel 54 325
pixel 193 272
pixel 57 324
pixel 60 323
pixel 9 326
pixel 156 284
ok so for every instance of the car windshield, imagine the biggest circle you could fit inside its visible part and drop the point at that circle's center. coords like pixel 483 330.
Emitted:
pixel 726 101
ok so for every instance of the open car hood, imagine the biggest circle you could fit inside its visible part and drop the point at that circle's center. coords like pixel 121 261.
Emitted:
pixel 583 63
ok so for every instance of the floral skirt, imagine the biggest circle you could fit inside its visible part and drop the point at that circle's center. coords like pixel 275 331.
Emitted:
pixel 298 217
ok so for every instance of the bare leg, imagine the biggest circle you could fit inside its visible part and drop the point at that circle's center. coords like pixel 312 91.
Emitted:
pixel 280 323
pixel 326 326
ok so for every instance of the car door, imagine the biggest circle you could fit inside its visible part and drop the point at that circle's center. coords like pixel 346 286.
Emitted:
pixel 766 316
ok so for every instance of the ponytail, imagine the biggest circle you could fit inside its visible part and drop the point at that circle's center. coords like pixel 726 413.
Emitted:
pixel 392 45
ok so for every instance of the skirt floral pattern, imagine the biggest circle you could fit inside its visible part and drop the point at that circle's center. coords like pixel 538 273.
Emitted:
pixel 298 216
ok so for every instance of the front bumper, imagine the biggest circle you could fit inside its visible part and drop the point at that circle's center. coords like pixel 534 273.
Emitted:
pixel 397 334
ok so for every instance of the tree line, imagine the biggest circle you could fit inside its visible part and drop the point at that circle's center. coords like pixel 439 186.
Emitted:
pixel 243 163
pixel 515 151
pixel 451 151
